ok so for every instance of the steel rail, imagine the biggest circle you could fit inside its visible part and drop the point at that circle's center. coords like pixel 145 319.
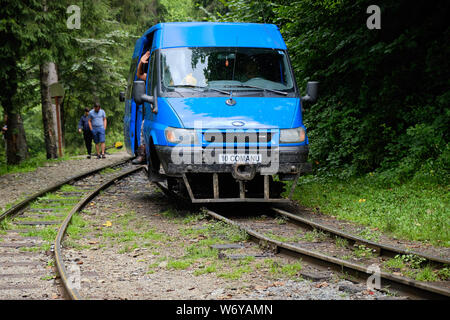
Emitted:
pixel 16 208
pixel 383 249
pixel 71 291
pixel 410 287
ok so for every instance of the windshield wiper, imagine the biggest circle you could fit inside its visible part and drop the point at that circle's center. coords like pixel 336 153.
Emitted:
pixel 199 87
pixel 260 88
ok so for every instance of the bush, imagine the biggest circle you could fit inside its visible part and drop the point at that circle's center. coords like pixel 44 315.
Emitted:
pixel 384 96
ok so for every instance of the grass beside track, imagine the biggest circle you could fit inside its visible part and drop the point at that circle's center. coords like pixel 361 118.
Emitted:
pixel 412 210
pixel 30 164
pixel 39 160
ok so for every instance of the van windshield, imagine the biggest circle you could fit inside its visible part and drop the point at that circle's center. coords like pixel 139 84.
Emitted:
pixel 225 69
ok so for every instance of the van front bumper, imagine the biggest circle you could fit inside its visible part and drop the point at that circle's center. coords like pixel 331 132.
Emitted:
pixel 291 160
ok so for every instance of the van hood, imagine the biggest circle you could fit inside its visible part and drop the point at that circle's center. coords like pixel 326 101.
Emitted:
pixel 248 112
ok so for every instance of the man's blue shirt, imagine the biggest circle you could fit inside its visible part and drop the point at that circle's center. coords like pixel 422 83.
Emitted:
pixel 97 118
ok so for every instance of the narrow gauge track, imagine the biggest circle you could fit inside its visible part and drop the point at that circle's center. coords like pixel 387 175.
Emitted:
pixel 403 285
pixel 381 249
pixel 323 259
pixel 21 251
pixel 355 271
pixel 66 281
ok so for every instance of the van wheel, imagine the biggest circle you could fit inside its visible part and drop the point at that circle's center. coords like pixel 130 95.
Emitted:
pixel 154 165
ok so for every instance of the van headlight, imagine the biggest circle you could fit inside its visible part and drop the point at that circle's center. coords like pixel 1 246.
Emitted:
pixel 292 135
pixel 178 135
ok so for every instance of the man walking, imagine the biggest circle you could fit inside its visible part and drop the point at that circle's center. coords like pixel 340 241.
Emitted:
pixel 83 126
pixel 97 124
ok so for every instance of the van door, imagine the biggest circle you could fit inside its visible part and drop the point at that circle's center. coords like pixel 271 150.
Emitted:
pixel 151 81
pixel 130 111
pixel 150 116
pixel 140 111
pixel 133 113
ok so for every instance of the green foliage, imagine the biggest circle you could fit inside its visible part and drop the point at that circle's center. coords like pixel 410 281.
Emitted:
pixel 179 10
pixel 361 251
pixel 416 210
pixel 290 270
pixel 179 264
pixel 92 61
pixel 96 69
pixel 341 242
pixel 210 9
pixel 34 129
pixel 383 95
pixel 426 274
pixel 444 274
pixel 380 127
pixel 205 269
pixel 411 260
pixel 138 15
pixel 314 236
pixel 395 263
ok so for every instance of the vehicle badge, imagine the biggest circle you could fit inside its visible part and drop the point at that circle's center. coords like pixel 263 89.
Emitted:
pixel 238 123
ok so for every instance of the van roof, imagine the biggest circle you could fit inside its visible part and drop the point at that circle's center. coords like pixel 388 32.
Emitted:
pixel 215 34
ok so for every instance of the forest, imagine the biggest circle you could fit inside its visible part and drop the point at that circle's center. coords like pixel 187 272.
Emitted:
pixel 380 123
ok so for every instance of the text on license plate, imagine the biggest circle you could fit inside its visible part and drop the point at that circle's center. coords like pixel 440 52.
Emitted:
pixel 239 158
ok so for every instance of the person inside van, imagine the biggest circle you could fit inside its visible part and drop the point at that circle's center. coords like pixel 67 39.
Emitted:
pixel 143 65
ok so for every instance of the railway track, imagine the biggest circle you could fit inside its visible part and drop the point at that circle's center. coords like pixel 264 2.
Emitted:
pixel 32 260
pixel 321 254
pixel 381 249
pixel 32 232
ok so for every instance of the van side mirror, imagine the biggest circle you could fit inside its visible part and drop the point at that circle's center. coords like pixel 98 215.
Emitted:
pixel 121 96
pixel 312 88
pixel 139 95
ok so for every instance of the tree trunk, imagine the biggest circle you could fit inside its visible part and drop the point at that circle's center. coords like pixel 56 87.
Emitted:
pixel 48 76
pixel 16 142
pixel 63 108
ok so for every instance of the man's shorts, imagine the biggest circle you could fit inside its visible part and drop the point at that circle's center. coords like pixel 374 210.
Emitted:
pixel 99 135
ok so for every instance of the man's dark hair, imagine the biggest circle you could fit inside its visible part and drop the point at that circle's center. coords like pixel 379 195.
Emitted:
pixel 96 105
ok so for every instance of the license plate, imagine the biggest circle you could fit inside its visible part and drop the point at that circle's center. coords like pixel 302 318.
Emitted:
pixel 240 158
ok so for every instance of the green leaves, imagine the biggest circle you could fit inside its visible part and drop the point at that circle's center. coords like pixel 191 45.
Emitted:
pixel 368 79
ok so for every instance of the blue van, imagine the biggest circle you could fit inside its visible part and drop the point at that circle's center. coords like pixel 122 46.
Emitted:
pixel 221 111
